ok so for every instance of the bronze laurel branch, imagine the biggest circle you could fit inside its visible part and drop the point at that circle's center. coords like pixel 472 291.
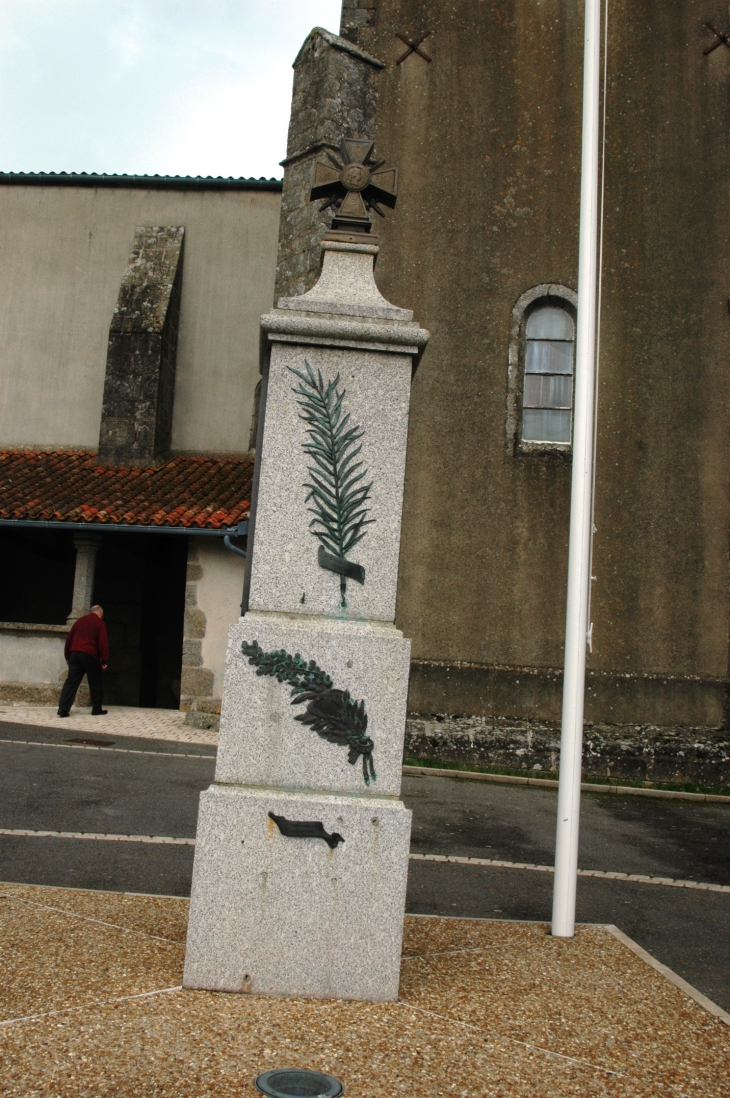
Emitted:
pixel 331 713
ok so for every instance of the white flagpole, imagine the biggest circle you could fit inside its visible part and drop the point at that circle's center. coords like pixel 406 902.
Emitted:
pixel 579 550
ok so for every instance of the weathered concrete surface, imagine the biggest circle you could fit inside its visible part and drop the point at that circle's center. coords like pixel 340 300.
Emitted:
pixel 64 251
pixel 536 693
pixel 139 384
pixel 357 15
pixel 634 752
pixel 32 655
pixel 13 693
pixel 487 141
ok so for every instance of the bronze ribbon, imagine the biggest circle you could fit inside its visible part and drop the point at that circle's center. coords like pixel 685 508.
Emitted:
pixel 341 567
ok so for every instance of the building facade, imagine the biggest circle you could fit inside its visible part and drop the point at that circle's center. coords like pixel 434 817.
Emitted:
pixel 129 361
pixel 479 107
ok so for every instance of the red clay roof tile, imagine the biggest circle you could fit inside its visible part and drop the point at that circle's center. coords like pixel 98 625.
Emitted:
pixel 68 486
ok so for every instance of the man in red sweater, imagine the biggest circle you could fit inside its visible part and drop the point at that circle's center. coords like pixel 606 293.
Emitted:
pixel 87 653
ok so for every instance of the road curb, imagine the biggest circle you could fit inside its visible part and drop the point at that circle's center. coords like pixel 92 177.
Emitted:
pixel 667 973
pixel 548 783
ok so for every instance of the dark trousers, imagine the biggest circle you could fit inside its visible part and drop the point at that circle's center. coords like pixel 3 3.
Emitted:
pixel 81 664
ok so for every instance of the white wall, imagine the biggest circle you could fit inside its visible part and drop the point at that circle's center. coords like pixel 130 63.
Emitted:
pixel 32 654
pixel 219 597
pixel 63 251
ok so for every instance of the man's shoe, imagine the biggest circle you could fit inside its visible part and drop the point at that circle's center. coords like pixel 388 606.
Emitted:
pixel 98 712
pixel 63 713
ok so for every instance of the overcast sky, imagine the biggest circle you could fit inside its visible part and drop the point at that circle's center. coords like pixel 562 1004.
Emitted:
pixel 175 87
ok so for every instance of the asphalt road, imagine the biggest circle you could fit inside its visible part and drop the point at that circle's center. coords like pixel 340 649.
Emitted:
pixel 683 840
pixel 151 787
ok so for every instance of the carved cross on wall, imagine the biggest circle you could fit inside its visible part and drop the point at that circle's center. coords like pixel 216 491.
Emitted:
pixel 721 39
pixel 413 42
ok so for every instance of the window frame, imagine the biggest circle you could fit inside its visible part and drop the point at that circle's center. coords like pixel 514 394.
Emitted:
pixel 550 293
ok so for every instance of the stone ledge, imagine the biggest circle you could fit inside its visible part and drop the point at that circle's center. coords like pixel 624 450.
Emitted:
pixel 207 722
pixel 21 693
pixel 395 336
pixel 548 783
pixel 203 713
pixel 35 628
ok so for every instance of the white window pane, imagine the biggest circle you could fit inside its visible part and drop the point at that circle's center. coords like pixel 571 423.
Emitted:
pixel 549 322
pixel 544 356
pixel 545 426
pixel 548 391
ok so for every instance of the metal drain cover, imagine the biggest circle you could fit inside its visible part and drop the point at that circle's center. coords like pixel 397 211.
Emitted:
pixel 297 1083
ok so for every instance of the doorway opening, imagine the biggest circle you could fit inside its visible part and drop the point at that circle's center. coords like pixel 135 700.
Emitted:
pixel 140 582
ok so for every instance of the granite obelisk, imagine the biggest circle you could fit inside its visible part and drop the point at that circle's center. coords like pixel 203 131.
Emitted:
pixel 302 845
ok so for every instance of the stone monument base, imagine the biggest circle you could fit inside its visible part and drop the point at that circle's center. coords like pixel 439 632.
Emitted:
pixel 273 914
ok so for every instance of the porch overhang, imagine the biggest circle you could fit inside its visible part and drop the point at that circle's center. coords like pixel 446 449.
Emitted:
pixel 238 531
pixel 71 490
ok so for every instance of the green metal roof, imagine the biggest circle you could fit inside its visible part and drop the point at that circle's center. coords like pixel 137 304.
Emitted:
pixel 141 182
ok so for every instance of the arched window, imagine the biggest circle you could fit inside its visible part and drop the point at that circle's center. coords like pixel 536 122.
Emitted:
pixel 540 371
pixel 547 388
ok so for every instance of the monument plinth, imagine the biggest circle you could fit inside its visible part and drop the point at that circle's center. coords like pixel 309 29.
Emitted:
pixel 302 846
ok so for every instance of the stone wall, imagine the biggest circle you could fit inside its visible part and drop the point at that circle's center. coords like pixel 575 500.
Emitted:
pixel 635 752
pixel 486 137
pixel 535 693
pixel 32 665
pixel 358 16
pixel 212 603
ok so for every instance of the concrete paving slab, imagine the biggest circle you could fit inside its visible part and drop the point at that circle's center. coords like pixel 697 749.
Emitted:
pixel 160 724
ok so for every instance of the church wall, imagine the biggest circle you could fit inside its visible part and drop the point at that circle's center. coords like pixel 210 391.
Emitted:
pixel 487 140
pixel 63 251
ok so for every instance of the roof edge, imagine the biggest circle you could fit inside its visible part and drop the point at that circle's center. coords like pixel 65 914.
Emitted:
pixel 130 528
pixel 152 466
pixel 338 43
pixel 139 182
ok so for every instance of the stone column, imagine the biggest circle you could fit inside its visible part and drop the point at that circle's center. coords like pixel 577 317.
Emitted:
pixel 335 92
pixel 87 546
pixel 302 845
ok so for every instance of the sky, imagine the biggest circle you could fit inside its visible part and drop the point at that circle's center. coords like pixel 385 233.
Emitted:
pixel 145 87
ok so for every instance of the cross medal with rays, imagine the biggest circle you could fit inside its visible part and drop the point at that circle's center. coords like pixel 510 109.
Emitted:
pixel 353 183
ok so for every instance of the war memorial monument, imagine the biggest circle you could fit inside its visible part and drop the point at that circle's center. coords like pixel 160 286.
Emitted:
pixel 302 846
